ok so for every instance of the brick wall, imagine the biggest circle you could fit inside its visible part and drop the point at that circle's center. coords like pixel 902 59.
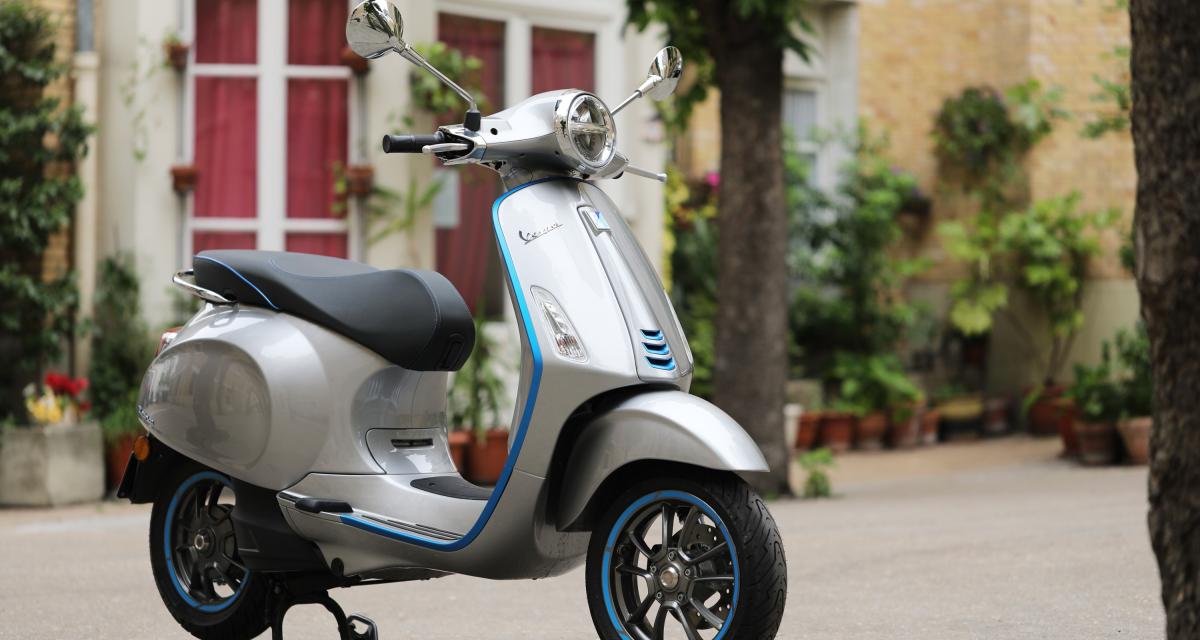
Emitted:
pixel 57 259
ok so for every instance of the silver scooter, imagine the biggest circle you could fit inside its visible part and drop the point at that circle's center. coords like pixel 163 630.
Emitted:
pixel 297 423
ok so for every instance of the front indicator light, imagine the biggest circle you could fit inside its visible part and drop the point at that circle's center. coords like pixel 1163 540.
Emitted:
pixel 566 340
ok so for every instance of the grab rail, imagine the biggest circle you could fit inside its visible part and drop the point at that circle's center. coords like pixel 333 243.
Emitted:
pixel 197 290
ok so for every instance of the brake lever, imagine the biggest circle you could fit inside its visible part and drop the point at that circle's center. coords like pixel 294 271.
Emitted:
pixel 445 147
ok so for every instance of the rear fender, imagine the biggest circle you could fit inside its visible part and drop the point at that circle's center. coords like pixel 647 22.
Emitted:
pixel 142 478
pixel 660 425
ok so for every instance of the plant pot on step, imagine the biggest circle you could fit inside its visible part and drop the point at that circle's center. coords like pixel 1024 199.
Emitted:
pixel 905 429
pixel 116 457
pixel 1045 412
pixel 460 444
pixel 961 418
pixel 869 431
pixel 183 178
pixel 1067 416
pixel 807 426
pixel 931 420
pixel 1097 442
pixel 836 430
pixel 360 179
pixel 1136 434
pixel 176 54
pixel 51 465
pixel 485 460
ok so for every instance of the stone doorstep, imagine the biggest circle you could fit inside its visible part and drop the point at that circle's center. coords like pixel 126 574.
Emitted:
pixel 51 466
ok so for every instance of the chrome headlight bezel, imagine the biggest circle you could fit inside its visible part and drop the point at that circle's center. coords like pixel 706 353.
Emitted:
pixel 568 125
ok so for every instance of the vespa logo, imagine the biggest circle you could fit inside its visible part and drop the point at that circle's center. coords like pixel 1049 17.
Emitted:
pixel 530 236
pixel 145 416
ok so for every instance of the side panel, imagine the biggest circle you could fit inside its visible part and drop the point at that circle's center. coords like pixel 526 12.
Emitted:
pixel 656 425
pixel 268 398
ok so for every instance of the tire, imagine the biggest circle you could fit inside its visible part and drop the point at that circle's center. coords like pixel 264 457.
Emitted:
pixel 706 512
pixel 201 604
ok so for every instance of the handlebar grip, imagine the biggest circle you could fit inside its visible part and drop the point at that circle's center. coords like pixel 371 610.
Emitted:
pixel 409 143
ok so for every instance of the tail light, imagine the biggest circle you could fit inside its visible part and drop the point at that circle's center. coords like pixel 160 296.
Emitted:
pixel 167 338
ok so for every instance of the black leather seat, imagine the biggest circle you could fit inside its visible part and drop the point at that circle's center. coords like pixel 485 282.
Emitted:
pixel 415 319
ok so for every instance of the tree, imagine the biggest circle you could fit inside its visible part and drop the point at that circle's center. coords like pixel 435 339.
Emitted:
pixel 738 46
pixel 1165 65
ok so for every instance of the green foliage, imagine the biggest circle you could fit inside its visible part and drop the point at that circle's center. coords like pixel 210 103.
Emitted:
pixel 692 229
pixel 123 420
pixel 981 136
pixel 39 140
pixel 848 283
pixel 1095 392
pixel 685 29
pixel 815 463
pixel 1115 95
pixel 475 396
pixel 1041 251
pixel 1135 372
pixel 431 95
pixel 122 347
pixel 871 382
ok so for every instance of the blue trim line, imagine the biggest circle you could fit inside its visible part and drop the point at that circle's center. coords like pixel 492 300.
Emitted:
pixel 526 415
pixel 187 484
pixel 611 543
pixel 242 277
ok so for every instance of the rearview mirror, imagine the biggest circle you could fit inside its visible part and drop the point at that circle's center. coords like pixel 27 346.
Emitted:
pixel 667 66
pixel 375 29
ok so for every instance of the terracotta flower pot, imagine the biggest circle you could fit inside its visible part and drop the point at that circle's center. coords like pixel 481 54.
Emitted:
pixel 355 62
pixel 930 420
pixel 176 54
pixel 360 178
pixel 905 427
pixel 116 456
pixel 836 430
pixel 485 461
pixel 1067 415
pixel 183 178
pixel 460 443
pixel 807 426
pixel 1136 434
pixel 869 431
pixel 1097 442
pixel 1045 412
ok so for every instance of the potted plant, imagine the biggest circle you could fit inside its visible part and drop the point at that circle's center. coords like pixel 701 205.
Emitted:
pixel 1136 389
pixel 475 406
pixel 836 430
pixel 816 481
pixel 1098 401
pixel 183 178
pixel 175 52
pixel 122 348
pixel 905 424
pixel 48 454
pixel 807 426
pixel 872 385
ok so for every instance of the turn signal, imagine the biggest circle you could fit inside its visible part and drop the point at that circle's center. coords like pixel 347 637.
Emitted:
pixel 141 448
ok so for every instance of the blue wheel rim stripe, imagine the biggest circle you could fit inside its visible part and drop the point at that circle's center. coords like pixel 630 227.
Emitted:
pixel 187 484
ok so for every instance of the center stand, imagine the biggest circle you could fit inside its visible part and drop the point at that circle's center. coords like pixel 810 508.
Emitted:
pixel 288 594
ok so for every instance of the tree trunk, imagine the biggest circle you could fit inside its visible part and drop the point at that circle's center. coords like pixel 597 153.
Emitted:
pixel 1166 132
pixel 750 372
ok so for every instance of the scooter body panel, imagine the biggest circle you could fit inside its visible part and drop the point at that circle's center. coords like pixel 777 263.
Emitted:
pixel 664 425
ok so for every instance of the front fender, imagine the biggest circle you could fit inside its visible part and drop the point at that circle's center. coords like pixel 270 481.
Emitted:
pixel 671 426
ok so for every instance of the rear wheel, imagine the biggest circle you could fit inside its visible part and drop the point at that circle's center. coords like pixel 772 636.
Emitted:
pixel 690 558
pixel 194 556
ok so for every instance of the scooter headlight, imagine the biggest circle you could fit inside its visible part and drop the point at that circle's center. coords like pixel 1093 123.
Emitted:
pixel 587 136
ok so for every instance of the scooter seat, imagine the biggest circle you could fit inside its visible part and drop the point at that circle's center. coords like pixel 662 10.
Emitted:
pixel 415 319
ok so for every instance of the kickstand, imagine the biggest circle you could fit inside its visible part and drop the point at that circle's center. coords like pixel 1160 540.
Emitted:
pixel 347 625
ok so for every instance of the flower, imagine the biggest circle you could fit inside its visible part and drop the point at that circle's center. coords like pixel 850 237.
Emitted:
pixel 44 409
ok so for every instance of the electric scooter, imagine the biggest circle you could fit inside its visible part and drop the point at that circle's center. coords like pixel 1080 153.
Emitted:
pixel 297 432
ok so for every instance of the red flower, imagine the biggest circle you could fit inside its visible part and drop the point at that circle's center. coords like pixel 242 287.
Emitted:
pixel 57 382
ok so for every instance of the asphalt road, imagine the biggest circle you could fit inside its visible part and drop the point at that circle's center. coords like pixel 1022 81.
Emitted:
pixel 993 540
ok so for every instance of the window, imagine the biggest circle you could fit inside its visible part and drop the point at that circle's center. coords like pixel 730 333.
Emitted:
pixel 270 125
pixel 800 123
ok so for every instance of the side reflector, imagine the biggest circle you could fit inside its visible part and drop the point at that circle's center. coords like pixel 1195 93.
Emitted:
pixel 141 448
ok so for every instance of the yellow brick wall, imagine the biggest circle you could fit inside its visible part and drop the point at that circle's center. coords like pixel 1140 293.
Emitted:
pixel 56 261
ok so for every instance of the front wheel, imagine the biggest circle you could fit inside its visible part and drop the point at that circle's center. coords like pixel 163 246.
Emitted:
pixel 194 556
pixel 678 557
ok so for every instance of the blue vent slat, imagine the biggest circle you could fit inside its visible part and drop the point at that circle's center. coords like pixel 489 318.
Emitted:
pixel 653 334
pixel 666 364
pixel 657 349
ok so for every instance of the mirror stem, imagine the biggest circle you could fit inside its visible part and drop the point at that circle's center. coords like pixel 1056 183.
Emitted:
pixel 637 93
pixel 473 117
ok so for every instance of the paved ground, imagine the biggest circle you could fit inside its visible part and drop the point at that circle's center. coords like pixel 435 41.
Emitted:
pixel 993 540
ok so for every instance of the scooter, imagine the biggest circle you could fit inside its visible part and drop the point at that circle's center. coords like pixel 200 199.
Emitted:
pixel 297 432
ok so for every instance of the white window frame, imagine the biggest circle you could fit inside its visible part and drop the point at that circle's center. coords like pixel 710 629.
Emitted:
pixel 271 72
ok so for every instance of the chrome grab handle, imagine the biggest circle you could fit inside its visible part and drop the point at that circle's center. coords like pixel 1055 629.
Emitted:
pixel 445 147
pixel 197 290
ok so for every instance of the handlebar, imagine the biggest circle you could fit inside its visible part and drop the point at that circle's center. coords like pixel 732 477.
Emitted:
pixel 410 143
